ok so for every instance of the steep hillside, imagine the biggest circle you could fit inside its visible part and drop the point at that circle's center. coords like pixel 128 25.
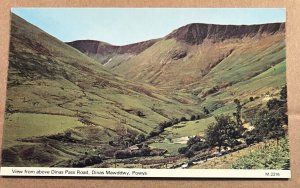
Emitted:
pixel 55 90
pixel 213 64
pixel 194 52
pixel 197 33
pixel 205 59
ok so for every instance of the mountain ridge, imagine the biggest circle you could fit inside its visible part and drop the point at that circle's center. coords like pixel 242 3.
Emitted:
pixel 196 33
pixel 99 47
pixel 193 34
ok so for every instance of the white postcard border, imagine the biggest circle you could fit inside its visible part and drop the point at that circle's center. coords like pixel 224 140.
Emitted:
pixel 146 173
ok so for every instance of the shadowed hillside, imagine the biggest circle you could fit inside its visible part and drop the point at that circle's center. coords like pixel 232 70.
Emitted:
pixel 55 89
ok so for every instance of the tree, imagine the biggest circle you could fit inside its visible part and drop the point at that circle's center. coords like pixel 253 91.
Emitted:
pixel 274 104
pixel 198 146
pixel 121 131
pixel 193 140
pixel 183 119
pixel 252 137
pixel 140 138
pixel 68 134
pixel 189 154
pixel 224 132
pixel 238 112
pixel 145 150
pixel 175 121
pixel 205 110
pixel 283 93
pixel 183 150
pixel 122 154
pixel 268 124
pixel 193 117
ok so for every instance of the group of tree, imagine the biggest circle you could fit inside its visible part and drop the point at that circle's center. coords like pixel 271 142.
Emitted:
pixel 85 161
pixel 269 122
pixel 128 140
pixel 126 153
pixel 223 133
pixel 227 131
pixel 194 144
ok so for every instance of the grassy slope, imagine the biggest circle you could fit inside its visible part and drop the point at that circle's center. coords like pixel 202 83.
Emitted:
pixel 51 86
pixel 253 67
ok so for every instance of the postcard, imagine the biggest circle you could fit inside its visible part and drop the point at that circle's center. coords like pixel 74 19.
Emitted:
pixel 147 92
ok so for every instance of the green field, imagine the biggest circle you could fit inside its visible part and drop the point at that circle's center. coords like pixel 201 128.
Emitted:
pixel 26 125
pixel 190 128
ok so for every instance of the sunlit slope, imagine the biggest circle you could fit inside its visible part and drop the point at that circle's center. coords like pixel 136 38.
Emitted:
pixel 171 63
pixel 215 72
pixel 52 82
pixel 198 58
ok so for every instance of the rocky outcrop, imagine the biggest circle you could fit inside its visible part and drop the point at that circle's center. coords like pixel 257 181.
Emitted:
pixel 196 33
pixel 178 54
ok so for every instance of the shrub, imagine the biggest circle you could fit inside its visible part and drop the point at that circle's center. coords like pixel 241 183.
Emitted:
pixel 175 121
pixel 283 93
pixel 198 146
pixel 140 114
pixel 182 150
pixel 252 137
pixel 86 161
pixel 145 151
pixel 122 154
pixel 193 117
pixel 183 119
pixel 193 140
pixel 274 104
pixel 139 138
pixel 205 110
pixel 68 134
pixel 189 154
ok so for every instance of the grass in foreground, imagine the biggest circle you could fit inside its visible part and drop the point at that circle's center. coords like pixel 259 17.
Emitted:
pixel 253 157
pixel 273 157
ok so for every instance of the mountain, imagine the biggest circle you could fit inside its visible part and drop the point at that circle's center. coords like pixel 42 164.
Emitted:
pixel 97 47
pixel 213 64
pixel 103 52
pixel 55 89
pixel 196 54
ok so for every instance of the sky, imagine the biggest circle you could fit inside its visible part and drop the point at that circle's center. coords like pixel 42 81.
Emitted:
pixel 120 26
